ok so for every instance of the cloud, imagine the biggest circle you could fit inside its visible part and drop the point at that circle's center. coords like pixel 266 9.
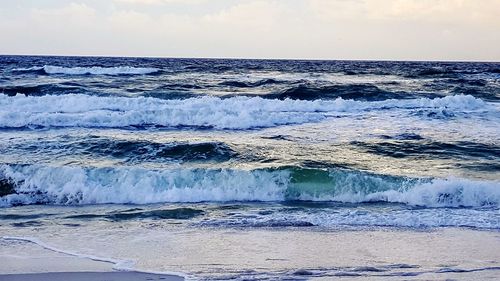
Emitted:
pixel 451 11
pixel 255 16
pixel 159 2
pixel 73 13
pixel 334 29
pixel 144 2
pixel 130 19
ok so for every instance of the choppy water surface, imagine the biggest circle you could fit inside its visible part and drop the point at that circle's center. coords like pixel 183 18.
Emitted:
pixel 249 144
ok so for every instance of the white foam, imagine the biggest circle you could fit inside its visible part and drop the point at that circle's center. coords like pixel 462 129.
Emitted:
pixel 78 185
pixel 232 113
pixel 33 68
pixel 95 70
pixel 450 192
pixel 118 264
pixel 367 216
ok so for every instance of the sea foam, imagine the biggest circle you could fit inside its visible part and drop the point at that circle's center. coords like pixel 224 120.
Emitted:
pixel 37 184
pixel 231 113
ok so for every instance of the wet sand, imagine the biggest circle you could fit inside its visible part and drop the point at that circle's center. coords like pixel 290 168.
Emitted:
pixel 449 253
pixel 89 276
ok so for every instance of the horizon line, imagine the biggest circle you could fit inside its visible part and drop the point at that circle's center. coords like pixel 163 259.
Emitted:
pixel 250 58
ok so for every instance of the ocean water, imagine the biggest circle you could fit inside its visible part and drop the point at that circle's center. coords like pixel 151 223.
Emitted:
pixel 203 145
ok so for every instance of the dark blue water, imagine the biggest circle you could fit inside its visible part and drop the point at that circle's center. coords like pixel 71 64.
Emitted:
pixel 281 79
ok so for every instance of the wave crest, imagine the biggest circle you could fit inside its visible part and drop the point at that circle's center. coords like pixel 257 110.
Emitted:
pixel 208 112
pixel 35 184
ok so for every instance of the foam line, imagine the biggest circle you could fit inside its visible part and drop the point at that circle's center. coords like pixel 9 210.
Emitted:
pixel 232 113
pixel 119 265
pixel 39 184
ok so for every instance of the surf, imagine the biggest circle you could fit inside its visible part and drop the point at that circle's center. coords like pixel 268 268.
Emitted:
pixel 87 111
pixel 65 185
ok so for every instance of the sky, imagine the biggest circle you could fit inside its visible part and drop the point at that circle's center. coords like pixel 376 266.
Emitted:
pixel 302 29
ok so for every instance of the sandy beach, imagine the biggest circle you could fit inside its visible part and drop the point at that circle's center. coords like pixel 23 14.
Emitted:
pixel 460 254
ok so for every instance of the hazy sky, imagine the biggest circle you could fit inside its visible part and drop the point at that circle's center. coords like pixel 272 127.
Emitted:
pixel 316 29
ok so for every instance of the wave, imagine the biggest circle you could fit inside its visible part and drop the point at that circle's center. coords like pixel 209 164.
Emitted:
pixel 485 93
pixel 37 184
pixel 339 215
pixel 137 213
pixel 363 92
pixel 94 70
pixel 435 72
pixel 43 89
pixel 469 82
pixel 248 84
pixel 140 150
pixel 419 148
pixel 206 112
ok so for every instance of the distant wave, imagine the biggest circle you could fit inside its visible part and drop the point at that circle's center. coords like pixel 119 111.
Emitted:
pixel 363 92
pixel 36 184
pixel 435 71
pixel 433 149
pixel 494 70
pixel 94 70
pixel 206 112
pixel 249 84
pixel 141 150
pixel 42 89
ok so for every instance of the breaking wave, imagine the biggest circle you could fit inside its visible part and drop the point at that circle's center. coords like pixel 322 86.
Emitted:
pixel 209 112
pixel 37 184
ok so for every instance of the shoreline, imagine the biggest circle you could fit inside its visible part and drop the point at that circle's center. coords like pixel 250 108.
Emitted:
pixel 460 254
pixel 89 276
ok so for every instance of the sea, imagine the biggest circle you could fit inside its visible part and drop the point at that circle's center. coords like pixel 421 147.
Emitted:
pixel 117 151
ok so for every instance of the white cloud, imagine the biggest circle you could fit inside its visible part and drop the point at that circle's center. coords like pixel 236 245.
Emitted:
pixel 147 2
pixel 335 29
pixel 130 20
pixel 251 14
pixel 455 11
pixel 160 2
pixel 73 13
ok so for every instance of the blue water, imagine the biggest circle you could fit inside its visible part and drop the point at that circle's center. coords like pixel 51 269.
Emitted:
pixel 285 143
pixel 251 169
